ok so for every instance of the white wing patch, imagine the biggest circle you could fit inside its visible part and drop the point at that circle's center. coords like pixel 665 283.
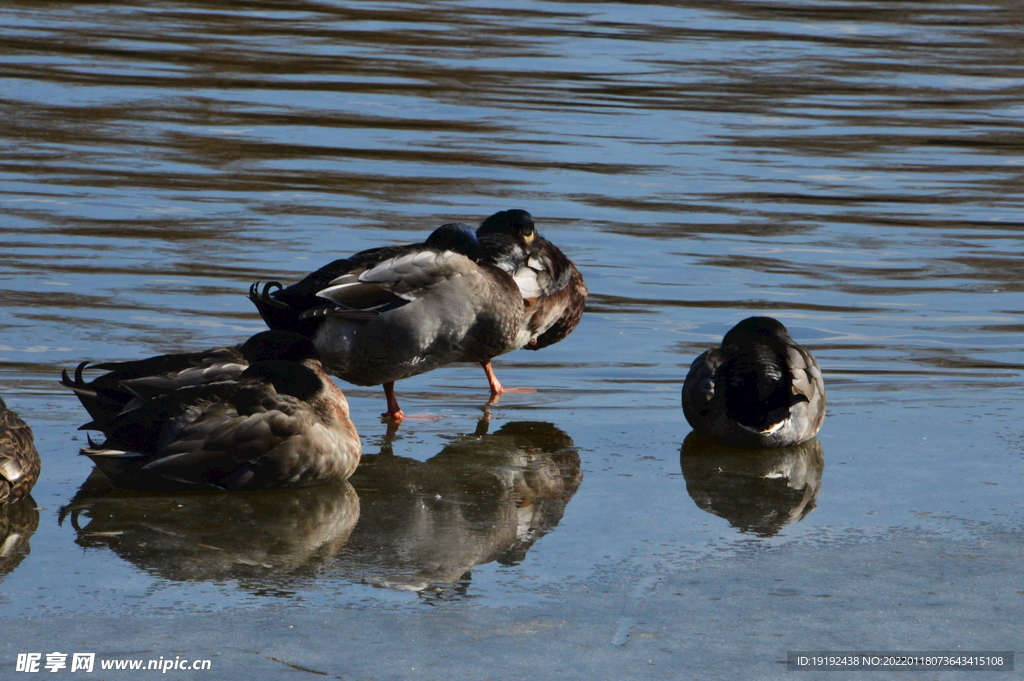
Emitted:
pixel 11 470
pixel 526 279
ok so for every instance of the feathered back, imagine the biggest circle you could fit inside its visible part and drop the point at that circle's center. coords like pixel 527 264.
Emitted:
pixel 757 389
pixel 19 461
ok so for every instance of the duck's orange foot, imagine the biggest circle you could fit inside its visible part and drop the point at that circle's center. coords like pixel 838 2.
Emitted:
pixel 394 412
pixel 497 389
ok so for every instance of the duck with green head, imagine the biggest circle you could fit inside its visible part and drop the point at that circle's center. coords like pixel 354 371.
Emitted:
pixel 463 295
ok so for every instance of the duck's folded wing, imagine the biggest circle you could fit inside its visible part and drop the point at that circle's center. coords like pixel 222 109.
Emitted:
pixel 699 388
pixel 407 277
pixel 166 364
pixel 19 460
pixel 553 270
pixel 224 439
pixel 225 446
pixel 126 385
pixel 148 387
pixel 290 308
pixel 16 447
pixel 302 295
pixel 807 383
pixel 554 317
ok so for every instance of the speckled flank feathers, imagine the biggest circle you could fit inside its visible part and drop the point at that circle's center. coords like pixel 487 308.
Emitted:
pixel 19 460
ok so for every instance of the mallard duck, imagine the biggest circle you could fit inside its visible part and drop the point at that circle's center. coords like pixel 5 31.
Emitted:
pixel 19 460
pixel 126 385
pixel 757 389
pixel 553 290
pixel 281 423
pixel 389 313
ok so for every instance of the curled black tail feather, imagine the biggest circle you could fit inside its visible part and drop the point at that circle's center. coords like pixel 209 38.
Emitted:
pixel 277 314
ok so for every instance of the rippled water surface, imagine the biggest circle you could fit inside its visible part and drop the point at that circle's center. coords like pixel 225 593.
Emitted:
pixel 851 168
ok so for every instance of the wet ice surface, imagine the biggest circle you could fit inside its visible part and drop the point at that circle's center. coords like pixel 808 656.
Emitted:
pixel 850 169
pixel 912 544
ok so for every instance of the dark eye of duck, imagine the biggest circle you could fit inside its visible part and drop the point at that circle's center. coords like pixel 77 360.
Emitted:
pixel 516 223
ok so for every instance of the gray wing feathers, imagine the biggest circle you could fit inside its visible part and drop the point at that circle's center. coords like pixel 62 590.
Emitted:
pixel 805 374
pixel 703 374
pixel 198 434
pixel 149 386
pixel 407 276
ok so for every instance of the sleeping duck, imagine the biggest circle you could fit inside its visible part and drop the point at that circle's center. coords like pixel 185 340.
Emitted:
pixel 127 384
pixel 757 389
pixel 397 311
pixel 389 313
pixel 552 288
pixel 282 422
pixel 19 460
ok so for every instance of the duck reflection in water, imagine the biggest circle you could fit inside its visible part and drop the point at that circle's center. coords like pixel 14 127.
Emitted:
pixel 758 491
pixel 18 522
pixel 483 498
pixel 266 539
pixel 421 526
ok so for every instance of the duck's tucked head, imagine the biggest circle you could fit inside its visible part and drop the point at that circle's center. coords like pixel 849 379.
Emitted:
pixel 515 223
pixel 288 378
pixel 281 345
pixel 455 236
pixel 756 329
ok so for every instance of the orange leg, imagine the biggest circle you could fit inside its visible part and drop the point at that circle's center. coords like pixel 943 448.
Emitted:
pixel 394 412
pixel 497 389
pixel 492 380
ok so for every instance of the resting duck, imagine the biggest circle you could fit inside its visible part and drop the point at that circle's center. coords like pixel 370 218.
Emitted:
pixel 126 385
pixel 552 288
pixel 281 422
pixel 19 460
pixel 389 313
pixel 757 389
